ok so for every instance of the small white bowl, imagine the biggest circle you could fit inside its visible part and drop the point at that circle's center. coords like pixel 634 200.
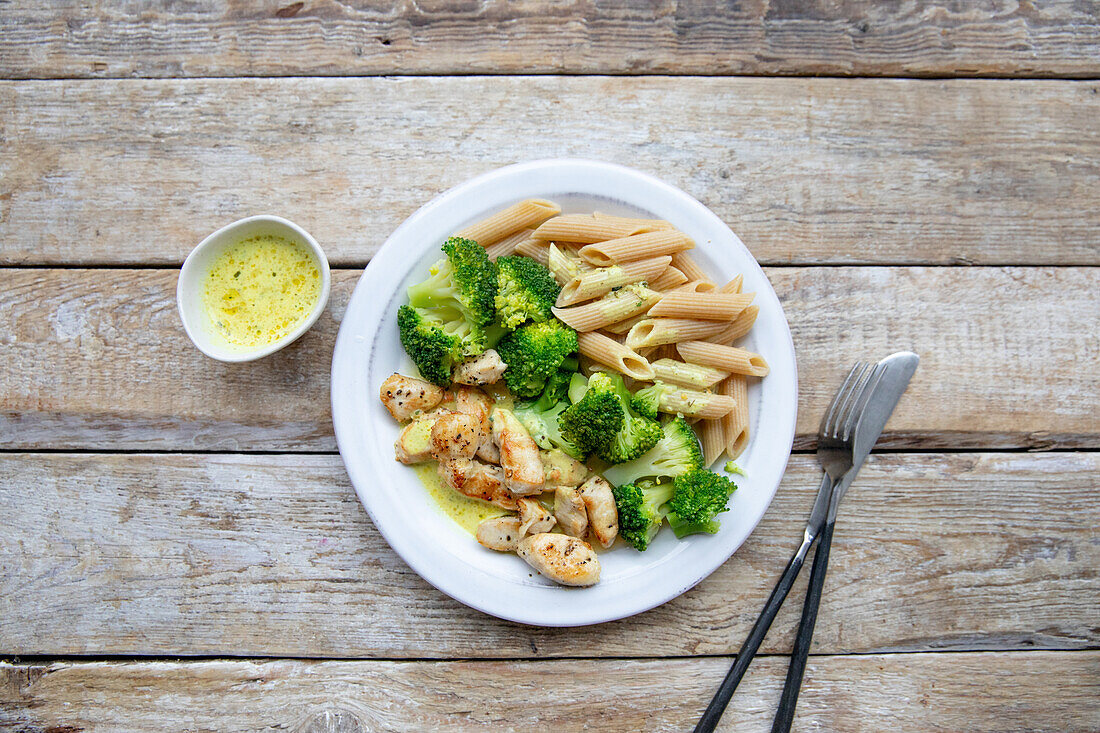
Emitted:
pixel 189 288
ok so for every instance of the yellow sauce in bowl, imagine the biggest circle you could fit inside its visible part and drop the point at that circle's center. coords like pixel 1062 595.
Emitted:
pixel 260 289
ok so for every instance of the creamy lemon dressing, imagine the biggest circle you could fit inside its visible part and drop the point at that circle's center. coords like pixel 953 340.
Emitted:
pixel 260 289
pixel 466 512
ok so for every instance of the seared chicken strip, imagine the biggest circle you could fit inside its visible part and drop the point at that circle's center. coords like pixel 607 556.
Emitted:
pixel 403 396
pixel 565 560
pixel 534 517
pixel 500 533
pixel 477 480
pixel 483 369
pixel 603 517
pixel 477 404
pixel 455 436
pixel 570 511
pixel 562 469
pixel 414 444
pixel 519 454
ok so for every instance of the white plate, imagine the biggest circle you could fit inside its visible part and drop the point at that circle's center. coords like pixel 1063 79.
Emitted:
pixel 368 350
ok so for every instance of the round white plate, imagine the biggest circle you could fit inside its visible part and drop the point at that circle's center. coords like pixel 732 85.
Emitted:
pixel 368 350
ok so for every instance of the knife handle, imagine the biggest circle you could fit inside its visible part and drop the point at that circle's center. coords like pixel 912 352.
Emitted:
pixel 784 716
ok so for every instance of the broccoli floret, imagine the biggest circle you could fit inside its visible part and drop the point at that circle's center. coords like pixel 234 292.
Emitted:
pixel 637 434
pixel 533 354
pixel 732 467
pixel 640 511
pixel 541 417
pixel 646 401
pixel 525 291
pixel 427 343
pixel 459 291
pixel 675 453
pixel 698 497
pixel 592 423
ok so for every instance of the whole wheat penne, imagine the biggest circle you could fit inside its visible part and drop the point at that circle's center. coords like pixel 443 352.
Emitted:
pixel 613 307
pixel 619 338
pixel 536 249
pixel 736 423
pixel 695 403
pixel 712 438
pixel 687 265
pixel 654 224
pixel 601 281
pixel 736 328
pixel 601 349
pixel 682 374
pixel 562 265
pixel 668 279
pixel 507 245
pixel 624 326
pixel 588 228
pixel 657 331
pixel 521 215
pixel 636 247
pixel 665 351
pixel 695 286
pixel 733 286
pixel 729 358
pixel 705 306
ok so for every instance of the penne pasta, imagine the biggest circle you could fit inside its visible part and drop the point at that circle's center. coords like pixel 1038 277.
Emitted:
pixel 636 247
pixel 526 213
pixel 624 326
pixel 657 331
pixel 536 249
pixel 602 350
pixel 668 279
pixel 733 286
pixel 507 245
pixel 601 281
pixel 729 358
pixel 562 265
pixel 685 264
pixel 618 338
pixel 696 286
pixel 612 308
pixel 736 328
pixel 694 403
pixel 712 439
pixel 736 423
pixel 705 306
pixel 694 376
pixel 589 228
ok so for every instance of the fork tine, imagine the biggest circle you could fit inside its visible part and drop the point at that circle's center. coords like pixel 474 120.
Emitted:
pixel 826 420
pixel 860 403
pixel 845 411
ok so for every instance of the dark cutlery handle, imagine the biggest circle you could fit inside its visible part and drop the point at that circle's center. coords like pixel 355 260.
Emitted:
pixel 789 700
pixel 721 699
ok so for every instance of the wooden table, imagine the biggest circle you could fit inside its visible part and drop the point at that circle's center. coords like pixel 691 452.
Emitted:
pixel 179 545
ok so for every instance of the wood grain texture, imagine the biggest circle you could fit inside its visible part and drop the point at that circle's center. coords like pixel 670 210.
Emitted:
pixel 805 170
pixel 98 359
pixel 274 556
pixel 921 693
pixel 320 37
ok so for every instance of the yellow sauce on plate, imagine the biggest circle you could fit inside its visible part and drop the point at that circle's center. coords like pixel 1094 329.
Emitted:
pixel 466 512
pixel 260 289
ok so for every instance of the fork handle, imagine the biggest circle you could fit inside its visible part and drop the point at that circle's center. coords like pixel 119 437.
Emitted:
pixel 789 700
pixel 721 699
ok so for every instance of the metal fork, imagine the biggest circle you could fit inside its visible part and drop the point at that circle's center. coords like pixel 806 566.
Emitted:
pixel 835 454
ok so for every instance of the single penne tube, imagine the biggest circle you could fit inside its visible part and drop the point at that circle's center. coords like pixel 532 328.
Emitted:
pixel 657 331
pixel 526 213
pixel 682 374
pixel 601 281
pixel 729 358
pixel 618 338
pixel 694 403
pixel 668 279
pixel 507 245
pixel 602 350
pixel 737 328
pixel 624 326
pixel 636 247
pixel 704 306
pixel 712 438
pixel 612 308
pixel 536 249
pixel 563 266
pixel 736 423
pixel 653 224
pixel 696 286
pixel 687 265
pixel 588 228
pixel 733 286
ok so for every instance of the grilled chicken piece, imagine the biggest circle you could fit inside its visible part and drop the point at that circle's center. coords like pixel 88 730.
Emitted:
pixel 454 436
pixel 414 444
pixel 477 480
pixel 479 405
pixel 562 469
pixel 603 517
pixel 500 533
pixel 483 369
pixel 534 517
pixel 562 559
pixel 403 396
pixel 519 454
pixel 570 511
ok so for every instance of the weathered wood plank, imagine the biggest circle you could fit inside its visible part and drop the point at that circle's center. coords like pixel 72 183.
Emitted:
pixel 274 556
pixel 858 37
pixel 923 693
pixel 98 359
pixel 806 171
